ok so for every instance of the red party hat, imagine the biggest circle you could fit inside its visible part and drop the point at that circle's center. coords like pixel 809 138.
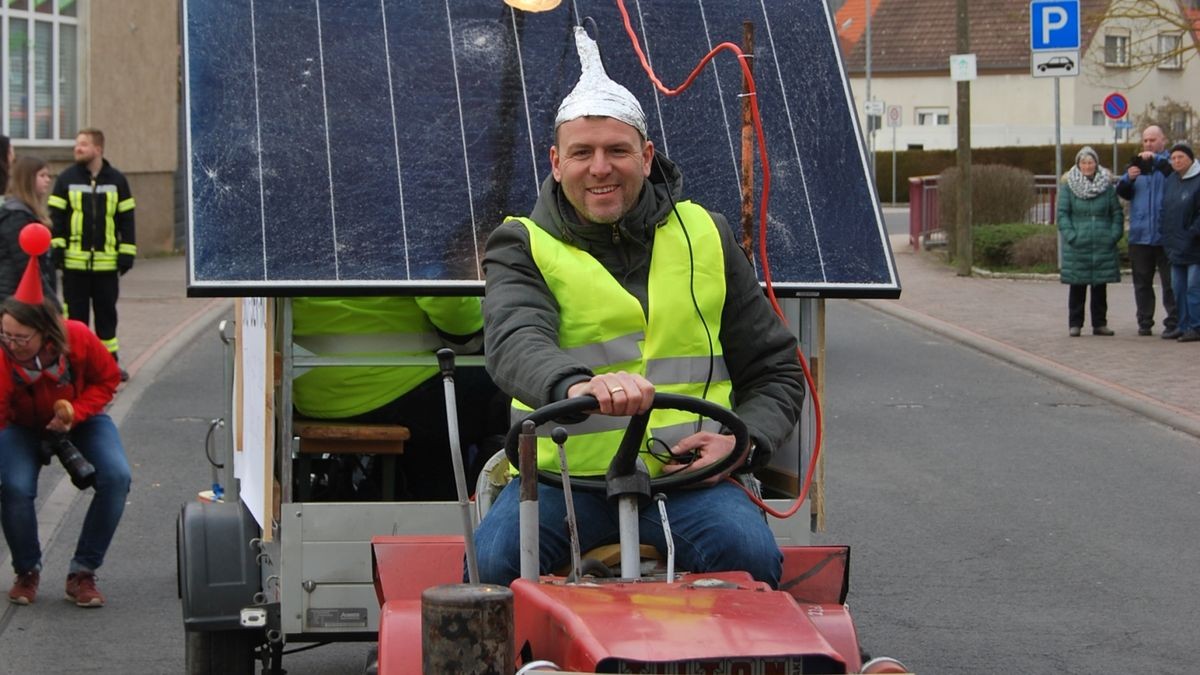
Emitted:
pixel 35 240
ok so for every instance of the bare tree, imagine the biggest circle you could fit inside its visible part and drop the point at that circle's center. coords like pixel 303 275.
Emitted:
pixel 1177 119
pixel 1149 35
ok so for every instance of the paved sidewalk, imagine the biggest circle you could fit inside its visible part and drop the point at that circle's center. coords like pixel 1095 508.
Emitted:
pixel 154 309
pixel 1025 322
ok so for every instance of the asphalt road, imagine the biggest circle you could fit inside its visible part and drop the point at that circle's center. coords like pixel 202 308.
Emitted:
pixel 1001 522
pixel 895 219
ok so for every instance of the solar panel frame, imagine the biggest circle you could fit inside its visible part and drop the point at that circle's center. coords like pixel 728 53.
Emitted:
pixel 304 177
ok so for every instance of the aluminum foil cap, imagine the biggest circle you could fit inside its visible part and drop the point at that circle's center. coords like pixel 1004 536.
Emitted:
pixel 596 94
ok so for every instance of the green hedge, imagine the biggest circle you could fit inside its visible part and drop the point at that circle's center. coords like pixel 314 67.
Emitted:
pixel 992 245
pixel 1037 159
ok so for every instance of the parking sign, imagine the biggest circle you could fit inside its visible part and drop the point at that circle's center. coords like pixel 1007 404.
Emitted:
pixel 1053 24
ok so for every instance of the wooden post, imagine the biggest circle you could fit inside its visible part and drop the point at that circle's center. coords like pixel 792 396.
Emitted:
pixel 747 145
pixel 963 244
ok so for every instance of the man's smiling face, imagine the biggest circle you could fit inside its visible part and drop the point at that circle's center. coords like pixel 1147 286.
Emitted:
pixel 601 164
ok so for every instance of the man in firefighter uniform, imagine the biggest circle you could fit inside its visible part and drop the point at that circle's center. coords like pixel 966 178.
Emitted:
pixel 615 287
pixel 94 238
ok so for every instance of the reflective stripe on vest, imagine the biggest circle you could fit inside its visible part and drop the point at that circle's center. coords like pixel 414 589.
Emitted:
pixel 369 326
pixel 372 343
pixel 99 259
pixel 604 326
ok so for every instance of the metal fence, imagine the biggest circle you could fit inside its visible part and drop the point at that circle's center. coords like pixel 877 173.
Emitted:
pixel 925 227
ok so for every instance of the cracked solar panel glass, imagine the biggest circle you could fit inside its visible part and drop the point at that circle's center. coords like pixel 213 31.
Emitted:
pixel 372 145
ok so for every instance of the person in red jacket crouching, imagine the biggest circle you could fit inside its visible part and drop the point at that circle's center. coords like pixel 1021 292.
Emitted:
pixel 57 379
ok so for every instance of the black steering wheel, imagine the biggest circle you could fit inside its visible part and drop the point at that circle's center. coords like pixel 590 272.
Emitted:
pixel 624 462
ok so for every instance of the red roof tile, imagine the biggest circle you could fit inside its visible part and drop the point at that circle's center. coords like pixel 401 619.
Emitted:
pixel 851 21
pixel 920 35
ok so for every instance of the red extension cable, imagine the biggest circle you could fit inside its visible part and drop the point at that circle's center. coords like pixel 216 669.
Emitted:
pixel 762 233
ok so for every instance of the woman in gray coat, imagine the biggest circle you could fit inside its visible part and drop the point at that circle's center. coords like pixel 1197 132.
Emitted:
pixel 1091 222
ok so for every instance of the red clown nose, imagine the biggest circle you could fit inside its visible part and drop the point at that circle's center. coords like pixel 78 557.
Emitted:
pixel 35 240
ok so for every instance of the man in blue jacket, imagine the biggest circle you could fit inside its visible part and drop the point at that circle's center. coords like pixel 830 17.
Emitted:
pixel 1142 185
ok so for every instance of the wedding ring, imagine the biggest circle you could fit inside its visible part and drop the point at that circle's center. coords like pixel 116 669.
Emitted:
pixel 616 389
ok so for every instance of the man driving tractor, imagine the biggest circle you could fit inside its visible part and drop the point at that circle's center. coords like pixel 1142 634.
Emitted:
pixel 616 287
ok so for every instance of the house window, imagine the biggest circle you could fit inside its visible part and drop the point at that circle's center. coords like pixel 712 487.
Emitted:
pixel 1170 51
pixel 1179 125
pixel 933 117
pixel 39 70
pixel 1099 119
pixel 1116 49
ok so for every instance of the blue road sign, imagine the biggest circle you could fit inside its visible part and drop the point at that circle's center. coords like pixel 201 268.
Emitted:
pixel 1053 24
pixel 1115 106
pixel 1122 125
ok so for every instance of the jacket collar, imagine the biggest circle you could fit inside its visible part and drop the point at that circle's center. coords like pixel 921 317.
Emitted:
pixel 1192 171
pixel 14 204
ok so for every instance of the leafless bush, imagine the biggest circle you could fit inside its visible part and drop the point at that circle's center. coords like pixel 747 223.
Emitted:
pixel 999 194
pixel 1036 251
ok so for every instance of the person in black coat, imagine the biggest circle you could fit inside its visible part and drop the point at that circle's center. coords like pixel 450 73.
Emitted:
pixel 24 203
pixel 8 155
pixel 1180 225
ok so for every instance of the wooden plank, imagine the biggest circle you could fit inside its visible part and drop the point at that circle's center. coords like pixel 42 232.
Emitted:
pixel 343 446
pixel 306 429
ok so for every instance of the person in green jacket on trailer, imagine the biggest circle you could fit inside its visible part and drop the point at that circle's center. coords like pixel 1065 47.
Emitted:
pixel 1091 222
pixel 412 396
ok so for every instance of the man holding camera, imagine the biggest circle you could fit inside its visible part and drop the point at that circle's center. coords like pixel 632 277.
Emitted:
pixel 1142 185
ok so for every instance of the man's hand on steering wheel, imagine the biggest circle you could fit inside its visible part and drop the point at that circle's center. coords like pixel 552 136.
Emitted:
pixel 708 448
pixel 620 394
pixel 716 450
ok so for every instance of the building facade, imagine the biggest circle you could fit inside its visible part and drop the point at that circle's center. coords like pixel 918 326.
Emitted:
pixel 108 64
pixel 1148 61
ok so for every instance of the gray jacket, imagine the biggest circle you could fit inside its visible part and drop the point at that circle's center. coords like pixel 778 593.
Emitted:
pixel 521 315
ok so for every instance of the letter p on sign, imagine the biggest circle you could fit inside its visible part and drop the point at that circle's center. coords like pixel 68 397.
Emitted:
pixel 1053 25
pixel 1053 19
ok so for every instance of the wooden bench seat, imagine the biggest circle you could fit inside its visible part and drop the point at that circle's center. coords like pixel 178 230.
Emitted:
pixel 318 437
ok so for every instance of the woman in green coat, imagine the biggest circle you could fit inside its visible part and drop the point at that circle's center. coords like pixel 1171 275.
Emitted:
pixel 1091 222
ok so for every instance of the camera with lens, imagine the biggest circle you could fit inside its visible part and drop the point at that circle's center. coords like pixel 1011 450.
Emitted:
pixel 81 471
pixel 1146 166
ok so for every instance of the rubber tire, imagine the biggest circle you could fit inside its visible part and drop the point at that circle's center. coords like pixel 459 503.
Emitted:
pixel 223 652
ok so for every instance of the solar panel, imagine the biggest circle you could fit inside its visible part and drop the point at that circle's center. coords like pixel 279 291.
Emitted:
pixel 372 145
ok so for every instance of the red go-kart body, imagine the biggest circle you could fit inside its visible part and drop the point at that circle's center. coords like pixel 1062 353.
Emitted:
pixel 699 623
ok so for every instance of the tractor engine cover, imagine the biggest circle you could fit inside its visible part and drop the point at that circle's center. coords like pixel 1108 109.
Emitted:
pixel 698 622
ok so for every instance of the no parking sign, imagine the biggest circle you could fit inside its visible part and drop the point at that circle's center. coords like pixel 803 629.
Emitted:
pixel 1115 106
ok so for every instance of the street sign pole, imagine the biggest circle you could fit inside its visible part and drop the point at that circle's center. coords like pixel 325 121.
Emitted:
pixel 894 114
pixel 894 165
pixel 1116 136
pixel 1054 40
pixel 1058 170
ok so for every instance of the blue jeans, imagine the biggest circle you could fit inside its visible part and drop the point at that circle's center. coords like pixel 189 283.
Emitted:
pixel 1185 280
pixel 715 529
pixel 20 465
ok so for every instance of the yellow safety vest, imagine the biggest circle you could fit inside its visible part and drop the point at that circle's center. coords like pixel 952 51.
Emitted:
pixel 369 326
pixel 604 326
